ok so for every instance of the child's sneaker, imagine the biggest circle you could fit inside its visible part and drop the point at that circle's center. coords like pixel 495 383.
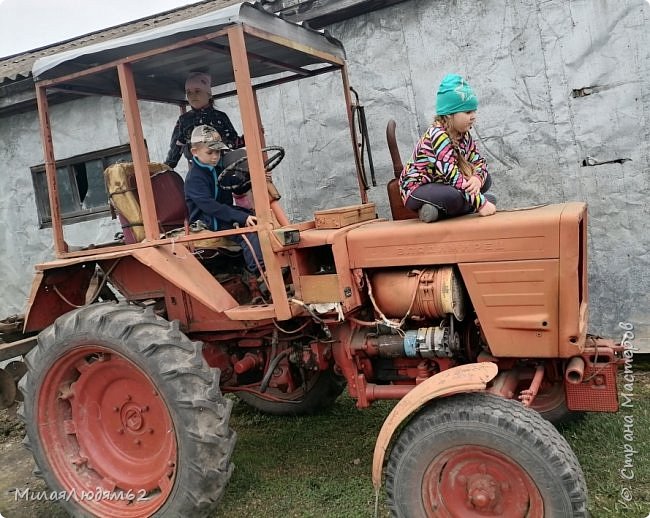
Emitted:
pixel 428 213
pixel 264 289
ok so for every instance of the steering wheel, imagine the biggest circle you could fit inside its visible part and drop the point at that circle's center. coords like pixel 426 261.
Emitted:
pixel 236 177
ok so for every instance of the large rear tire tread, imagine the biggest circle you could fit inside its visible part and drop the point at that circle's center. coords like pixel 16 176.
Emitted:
pixel 177 370
pixel 502 425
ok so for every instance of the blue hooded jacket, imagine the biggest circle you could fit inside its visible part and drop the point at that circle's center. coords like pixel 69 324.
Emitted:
pixel 206 202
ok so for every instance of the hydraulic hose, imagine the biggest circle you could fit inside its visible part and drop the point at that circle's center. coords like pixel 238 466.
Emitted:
pixel 269 372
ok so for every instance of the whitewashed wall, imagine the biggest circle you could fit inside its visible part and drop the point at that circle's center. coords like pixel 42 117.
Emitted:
pixel 523 57
pixel 79 127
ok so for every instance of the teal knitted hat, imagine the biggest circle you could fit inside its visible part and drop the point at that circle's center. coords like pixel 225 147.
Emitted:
pixel 455 95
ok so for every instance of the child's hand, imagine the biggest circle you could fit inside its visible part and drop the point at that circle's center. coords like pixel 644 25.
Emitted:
pixel 472 185
pixel 251 221
pixel 487 209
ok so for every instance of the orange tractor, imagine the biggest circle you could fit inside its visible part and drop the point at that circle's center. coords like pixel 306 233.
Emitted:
pixel 478 326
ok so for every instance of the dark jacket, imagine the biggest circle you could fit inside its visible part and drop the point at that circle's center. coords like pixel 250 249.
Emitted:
pixel 205 201
pixel 190 120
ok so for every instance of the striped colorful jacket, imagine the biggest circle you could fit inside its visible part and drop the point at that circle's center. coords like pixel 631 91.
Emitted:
pixel 434 160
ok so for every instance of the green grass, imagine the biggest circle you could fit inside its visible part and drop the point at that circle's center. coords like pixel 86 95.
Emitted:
pixel 306 466
pixel 320 466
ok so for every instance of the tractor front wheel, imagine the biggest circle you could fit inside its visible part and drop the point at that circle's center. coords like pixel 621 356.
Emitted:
pixel 124 417
pixel 477 455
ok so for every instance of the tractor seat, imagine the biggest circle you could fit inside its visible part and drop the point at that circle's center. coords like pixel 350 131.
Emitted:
pixel 397 208
pixel 169 198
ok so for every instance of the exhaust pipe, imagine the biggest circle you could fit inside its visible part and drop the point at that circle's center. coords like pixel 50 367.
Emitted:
pixel 575 370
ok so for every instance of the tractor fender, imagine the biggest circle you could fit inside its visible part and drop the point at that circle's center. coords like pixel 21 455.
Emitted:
pixel 472 377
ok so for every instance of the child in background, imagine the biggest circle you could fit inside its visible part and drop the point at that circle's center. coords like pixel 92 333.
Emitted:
pixel 199 95
pixel 212 205
pixel 446 176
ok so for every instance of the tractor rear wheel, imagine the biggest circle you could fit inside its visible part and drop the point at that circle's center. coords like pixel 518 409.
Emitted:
pixel 124 417
pixel 477 455
pixel 321 391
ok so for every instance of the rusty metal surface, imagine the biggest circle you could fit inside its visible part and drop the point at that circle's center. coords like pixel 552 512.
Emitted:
pixel 518 235
pixel 597 389
pixel 173 262
pixel 55 292
pixel 465 378
pixel 179 266
pixel 517 305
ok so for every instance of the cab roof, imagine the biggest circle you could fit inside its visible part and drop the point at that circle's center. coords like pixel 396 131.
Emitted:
pixel 161 58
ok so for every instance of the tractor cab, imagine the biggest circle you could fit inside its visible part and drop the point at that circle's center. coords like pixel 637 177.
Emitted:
pixel 245 50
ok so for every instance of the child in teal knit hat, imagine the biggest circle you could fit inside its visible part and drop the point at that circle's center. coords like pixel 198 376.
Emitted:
pixel 446 176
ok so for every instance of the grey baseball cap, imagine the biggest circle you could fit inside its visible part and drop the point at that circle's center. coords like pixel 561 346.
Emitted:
pixel 209 136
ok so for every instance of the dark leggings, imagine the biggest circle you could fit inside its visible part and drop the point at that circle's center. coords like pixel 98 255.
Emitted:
pixel 445 197
pixel 251 265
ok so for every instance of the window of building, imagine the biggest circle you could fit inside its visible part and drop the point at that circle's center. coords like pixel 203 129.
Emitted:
pixel 80 182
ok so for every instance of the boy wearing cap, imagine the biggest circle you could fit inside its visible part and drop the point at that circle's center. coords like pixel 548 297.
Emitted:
pixel 446 176
pixel 210 204
pixel 199 94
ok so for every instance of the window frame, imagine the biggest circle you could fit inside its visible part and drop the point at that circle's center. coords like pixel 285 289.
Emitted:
pixel 42 195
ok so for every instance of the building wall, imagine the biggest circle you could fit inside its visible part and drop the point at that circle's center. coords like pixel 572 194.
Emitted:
pixel 524 58
pixel 78 127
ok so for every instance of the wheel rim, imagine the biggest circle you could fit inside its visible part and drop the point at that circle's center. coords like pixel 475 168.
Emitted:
pixel 107 433
pixel 473 481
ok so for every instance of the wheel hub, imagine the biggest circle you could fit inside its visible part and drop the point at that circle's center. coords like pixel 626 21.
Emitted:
pixel 109 430
pixel 483 492
pixel 132 418
pixel 473 481
pixel 114 434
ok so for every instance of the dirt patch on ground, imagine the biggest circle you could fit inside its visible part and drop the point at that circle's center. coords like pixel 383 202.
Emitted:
pixel 19 487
